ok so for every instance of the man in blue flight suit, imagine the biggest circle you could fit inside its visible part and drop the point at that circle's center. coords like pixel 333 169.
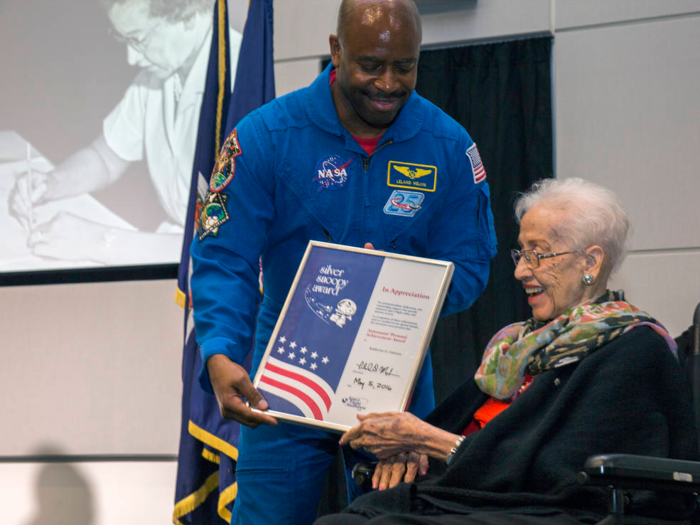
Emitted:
pixel 358 158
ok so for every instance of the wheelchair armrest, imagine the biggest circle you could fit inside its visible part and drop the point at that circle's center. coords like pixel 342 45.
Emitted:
pixel 362 474
pixel 641 472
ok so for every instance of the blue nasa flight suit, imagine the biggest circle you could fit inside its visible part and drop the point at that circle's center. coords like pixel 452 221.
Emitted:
pixel 297 175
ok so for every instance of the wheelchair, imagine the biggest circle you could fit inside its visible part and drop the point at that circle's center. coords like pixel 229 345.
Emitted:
pixel 623 472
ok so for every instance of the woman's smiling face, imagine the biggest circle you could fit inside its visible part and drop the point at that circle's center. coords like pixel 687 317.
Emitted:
pixel 555 286
pixel 155 44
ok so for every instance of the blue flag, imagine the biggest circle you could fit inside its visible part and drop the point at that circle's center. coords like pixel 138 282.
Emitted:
pixel 206 483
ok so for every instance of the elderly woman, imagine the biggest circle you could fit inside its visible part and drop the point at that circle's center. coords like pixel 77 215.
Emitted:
pixel 588 373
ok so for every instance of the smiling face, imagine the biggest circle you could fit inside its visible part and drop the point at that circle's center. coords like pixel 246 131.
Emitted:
pixel 376 60
pixel 155 44
pixel 556 285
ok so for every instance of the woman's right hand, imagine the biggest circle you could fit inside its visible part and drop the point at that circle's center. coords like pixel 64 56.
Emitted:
pixel 402 467
pixel 28 192
pixel 389 434
pixel 88 169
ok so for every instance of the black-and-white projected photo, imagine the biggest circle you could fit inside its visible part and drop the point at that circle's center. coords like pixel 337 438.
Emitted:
pixel 98 127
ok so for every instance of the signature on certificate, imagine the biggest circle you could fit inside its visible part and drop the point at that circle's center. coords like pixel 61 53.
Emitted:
pixel 376 368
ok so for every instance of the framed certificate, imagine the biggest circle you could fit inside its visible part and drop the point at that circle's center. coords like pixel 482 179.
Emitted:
pixel 352 335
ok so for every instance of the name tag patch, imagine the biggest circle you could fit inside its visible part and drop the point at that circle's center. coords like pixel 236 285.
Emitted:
pixel 412 176
pixel 404 203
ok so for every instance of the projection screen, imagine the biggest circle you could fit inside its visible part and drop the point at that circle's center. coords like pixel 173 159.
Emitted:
pixel 98 120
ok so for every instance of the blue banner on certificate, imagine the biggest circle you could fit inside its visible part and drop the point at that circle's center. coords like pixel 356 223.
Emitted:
pixel 352 335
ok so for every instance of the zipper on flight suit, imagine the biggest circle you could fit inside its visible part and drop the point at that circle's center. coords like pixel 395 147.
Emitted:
pixel 328 235
pixel 365 169
pixel 365 160
pixel 325 232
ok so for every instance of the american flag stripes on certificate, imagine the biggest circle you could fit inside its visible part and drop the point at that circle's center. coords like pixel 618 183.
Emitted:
pixel 303 386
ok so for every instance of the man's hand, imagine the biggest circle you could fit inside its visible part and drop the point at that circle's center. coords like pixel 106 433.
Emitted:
pixel 403 467
pixel 231 385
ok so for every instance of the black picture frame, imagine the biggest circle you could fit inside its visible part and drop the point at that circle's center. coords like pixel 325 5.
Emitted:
pixel 90 275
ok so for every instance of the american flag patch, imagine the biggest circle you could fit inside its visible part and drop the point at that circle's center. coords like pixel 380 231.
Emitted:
pixel 477 166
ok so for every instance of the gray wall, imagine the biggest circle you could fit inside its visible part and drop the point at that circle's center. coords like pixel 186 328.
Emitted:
pixel 95 368
pixel 627 78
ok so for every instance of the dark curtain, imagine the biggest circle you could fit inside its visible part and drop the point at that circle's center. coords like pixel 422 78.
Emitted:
pixel 501 93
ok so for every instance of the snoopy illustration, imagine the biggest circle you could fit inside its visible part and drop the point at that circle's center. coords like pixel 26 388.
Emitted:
pixel 343 312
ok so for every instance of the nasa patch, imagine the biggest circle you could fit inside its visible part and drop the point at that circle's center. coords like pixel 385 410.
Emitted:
pixel 331 173
pixel 411 176
pixel 225 166
pixel 404 203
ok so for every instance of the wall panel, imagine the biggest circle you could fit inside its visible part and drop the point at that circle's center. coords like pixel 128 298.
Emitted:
pixel 628 117
pixel 486 19
pixel 578 13
pixel 91 368
pixel 667 285
pixel 87 493
pixel 302 27
pixel 295 74
pixel 453 21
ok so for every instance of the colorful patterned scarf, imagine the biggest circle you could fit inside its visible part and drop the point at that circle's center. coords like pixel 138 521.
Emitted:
pixel 535 346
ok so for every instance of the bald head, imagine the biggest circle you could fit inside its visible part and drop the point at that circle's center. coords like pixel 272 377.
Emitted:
pixel 375 55
pixel 397 14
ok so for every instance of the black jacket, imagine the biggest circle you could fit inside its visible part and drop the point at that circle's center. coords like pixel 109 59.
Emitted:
pixel 629 396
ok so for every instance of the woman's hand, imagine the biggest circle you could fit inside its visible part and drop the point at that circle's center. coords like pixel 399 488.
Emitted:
pixel 384 434
pixel 389 434
pixel 25 194
pixel 403 467
pixel 88 169
pixel 71 238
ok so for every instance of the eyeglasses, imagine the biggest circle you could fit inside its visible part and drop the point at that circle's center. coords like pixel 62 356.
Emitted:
pixel 532 258
pixel 138 42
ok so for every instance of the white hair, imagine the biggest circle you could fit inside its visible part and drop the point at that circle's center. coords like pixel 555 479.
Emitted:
pixel 593 215
pixel 171 10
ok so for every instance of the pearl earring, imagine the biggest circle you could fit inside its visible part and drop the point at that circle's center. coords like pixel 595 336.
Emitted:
pixel 587 279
